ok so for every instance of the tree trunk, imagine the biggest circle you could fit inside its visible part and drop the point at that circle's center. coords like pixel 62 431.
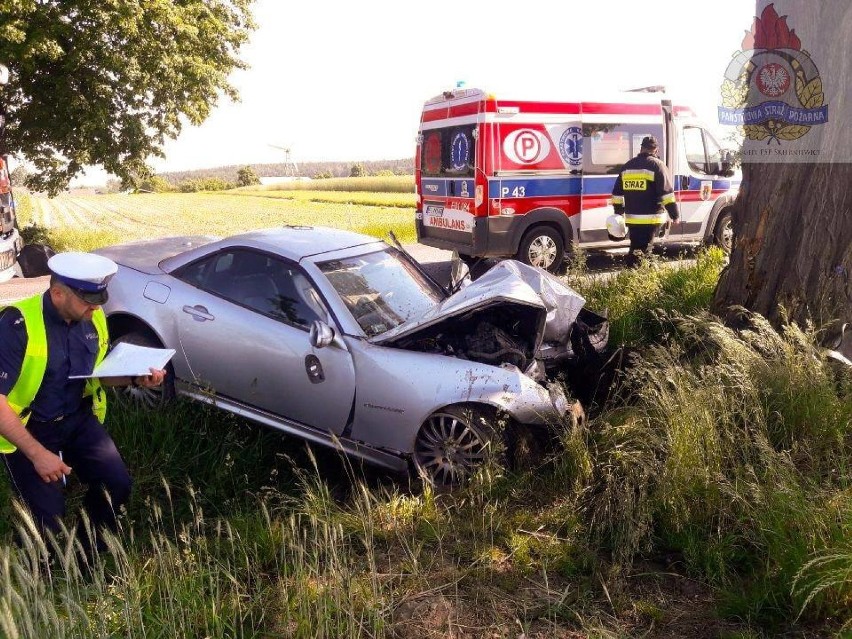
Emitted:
pixel 793 221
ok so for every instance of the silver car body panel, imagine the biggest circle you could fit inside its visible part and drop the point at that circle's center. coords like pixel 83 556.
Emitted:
pixel 405 387
pixel 507 282
pixel 392 460
pixel 372 398
pixel 138 255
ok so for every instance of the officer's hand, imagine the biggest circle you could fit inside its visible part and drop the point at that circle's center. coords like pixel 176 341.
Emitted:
pixel 675 216
pixel 153 380
pixel 49 467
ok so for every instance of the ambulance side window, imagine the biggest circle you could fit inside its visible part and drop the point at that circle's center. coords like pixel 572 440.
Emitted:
pixel 606 146
pixel 693 146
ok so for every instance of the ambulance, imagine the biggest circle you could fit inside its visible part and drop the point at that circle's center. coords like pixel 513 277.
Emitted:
pixel 529 179
pixel 10 240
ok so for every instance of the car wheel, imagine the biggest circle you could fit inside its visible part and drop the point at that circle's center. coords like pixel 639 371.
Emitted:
pixel 453 443
pixel 146 398
pixel 542 246
pixel 723 234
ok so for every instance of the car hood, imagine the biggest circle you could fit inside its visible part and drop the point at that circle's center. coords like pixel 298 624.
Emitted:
pixel 146 255
pixel 525 302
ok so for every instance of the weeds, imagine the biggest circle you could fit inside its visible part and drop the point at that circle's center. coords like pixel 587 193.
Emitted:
pixel 727 463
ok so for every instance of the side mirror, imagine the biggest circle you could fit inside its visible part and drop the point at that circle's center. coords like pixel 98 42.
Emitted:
pixel 321 334
pixel 459 272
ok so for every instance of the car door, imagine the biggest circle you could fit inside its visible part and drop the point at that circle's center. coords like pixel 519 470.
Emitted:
pixel 243 321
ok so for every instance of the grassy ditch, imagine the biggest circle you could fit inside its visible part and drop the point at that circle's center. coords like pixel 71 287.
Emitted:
pixel 713 499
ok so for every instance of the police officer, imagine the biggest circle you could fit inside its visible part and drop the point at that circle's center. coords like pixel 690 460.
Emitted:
pixel 642 191
pixel 50 424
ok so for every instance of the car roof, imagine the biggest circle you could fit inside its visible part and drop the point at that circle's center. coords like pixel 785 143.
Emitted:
pixel 291 242
pixel 297 242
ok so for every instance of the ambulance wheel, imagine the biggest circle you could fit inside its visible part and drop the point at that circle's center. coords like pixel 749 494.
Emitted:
pixel 723 234
pixel 542 246
pixel 146 398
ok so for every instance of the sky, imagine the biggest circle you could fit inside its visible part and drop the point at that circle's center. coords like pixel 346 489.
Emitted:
pixel 343 80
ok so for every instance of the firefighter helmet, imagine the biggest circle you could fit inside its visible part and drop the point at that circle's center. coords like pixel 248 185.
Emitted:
pixel 616 227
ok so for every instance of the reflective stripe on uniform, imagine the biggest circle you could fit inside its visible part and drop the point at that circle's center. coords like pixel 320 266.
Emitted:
pixel 35 364
pixel 668 198
pixel 618 200
pixel 93 384
pixel 655 218
pixel 637 174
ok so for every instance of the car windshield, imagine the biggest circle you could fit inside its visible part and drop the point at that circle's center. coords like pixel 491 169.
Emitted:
pixel 382 290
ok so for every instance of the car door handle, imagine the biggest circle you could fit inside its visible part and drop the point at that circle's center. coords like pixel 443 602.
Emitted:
pixel 199 313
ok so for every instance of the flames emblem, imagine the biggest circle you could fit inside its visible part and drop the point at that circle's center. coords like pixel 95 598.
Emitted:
pixel 771 62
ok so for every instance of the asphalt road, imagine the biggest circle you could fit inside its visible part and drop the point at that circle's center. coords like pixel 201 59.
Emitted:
pixel 435 261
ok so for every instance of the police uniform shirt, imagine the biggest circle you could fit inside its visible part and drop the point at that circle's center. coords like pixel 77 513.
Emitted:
pixel 71 350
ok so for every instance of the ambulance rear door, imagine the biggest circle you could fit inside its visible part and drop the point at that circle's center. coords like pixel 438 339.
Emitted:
pixel 447 176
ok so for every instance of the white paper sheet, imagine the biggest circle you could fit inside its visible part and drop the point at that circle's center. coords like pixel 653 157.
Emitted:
pixel 129 360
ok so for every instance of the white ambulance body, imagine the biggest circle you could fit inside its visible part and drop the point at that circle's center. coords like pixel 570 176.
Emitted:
pixel 526 178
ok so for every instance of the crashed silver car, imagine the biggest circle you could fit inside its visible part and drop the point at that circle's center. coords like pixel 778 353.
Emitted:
pixel 346 341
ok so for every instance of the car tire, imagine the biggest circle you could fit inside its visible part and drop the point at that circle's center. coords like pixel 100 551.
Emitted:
pixel 543 247
pixel 723 233
pixel 146 398
pixel 454 442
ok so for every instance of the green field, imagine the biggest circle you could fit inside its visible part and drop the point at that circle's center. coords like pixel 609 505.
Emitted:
pixel 87 222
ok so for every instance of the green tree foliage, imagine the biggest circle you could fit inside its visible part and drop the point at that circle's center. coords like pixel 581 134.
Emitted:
pixel 357 170
pixel 107 82
pixel 155 184
pixel 247 177
pixel 204 184
pixel 19 175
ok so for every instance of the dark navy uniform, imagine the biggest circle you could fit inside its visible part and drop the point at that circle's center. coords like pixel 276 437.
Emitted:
pixel 61 419
pixel 644 194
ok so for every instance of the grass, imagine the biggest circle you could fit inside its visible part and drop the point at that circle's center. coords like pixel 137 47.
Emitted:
pixel 360 198
pixel 87 222
pixel 716 493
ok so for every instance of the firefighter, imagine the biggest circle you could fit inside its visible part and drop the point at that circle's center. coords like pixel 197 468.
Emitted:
pixel 643 193
pixel 50 423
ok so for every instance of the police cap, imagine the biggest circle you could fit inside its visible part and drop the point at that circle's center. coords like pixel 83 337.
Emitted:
pixel 649 142
pixel 86 274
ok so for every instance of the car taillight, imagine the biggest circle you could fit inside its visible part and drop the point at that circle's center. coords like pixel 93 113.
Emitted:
pixel 479 196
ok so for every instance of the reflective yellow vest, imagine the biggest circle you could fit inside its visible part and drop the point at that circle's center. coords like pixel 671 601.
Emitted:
pixel 35 364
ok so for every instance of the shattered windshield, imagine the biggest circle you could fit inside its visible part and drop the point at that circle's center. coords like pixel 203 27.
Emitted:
pixel 382 290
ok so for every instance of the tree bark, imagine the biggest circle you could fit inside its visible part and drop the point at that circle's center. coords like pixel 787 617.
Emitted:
pixel 793 221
